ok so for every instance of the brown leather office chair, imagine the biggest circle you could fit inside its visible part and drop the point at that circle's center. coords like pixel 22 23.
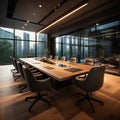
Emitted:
pixel 63 58
pixel 13 69
pixel 36 74
pixel 36 86
pixel 24 85
pixel 89 61
pixel 73 60
pixel 56 58
pixel 93 81
pixel 15 72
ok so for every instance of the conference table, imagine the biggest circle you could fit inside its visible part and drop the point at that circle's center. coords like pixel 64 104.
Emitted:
pixel 61 72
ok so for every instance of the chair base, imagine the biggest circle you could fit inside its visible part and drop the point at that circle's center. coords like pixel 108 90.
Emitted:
pixel 37 98
pixel 89 99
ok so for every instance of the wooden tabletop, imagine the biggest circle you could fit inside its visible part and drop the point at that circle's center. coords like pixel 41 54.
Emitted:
pixel 56 71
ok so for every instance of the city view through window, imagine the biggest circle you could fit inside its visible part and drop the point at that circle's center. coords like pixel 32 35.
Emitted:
pixel 18 43
pixel 98 41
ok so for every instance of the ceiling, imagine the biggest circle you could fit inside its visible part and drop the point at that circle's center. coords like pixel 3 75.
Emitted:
pixel 27 13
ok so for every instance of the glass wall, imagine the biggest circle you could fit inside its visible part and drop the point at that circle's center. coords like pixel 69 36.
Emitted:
pixel 97 41
pixel 6 45
pixel 67 46
pixel 41 44
pixel 19 43
pixel 6 50
pixel 58 45
pixel 24 43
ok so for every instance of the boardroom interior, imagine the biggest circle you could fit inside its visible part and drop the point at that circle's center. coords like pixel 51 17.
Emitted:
pixel 60 42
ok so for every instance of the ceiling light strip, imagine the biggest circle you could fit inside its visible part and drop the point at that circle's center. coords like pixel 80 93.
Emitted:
pixel 65 16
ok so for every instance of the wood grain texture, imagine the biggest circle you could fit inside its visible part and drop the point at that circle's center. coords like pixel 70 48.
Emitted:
pixel 14 107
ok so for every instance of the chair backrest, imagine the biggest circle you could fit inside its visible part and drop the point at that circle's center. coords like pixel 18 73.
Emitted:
pixel 35 85
pixel 20 69
pixel 15 64
pixel 63 58
pixel 73 60
pixel 44 58
pixel 89 61
pixel 11 58
pixel 29 78
pixel 56 58
pixel 29 56
pixel 94 79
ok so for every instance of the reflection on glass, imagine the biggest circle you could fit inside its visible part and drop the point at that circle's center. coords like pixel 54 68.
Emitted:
pixel 41 37
pixel 6 33
pixel 25 48
pixel 6 50
pixel 24 35
pixel 40 49
pixel 56 58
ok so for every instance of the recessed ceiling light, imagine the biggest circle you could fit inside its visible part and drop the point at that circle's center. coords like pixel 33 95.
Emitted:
pixel 58 5
pixel 25 24
pixel 40 6
pixel 28 21
pixel 23 27
pixel 97 24
pixel 34 13
pixel 83 4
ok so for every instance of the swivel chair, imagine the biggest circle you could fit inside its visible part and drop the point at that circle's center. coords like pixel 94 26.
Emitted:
pixel 36 74
pixel 73 60
pixel 16 73
pixel 13 69
pixel 24 85
pixel 89 61
pixel 92 82
pixel 56 58
pixel 36 86
pixel 63 58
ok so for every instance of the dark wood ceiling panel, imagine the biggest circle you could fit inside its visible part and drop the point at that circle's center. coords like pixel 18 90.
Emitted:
pixel 88 21
pixel 86 13
pixel 15 13
pixel 70 4
pixel 30 10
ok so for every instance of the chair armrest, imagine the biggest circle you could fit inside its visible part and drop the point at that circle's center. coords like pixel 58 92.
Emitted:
pixel 80 78
pixel 37 74
pixel 43 80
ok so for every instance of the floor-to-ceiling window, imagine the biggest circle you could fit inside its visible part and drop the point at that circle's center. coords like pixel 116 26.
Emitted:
pixel 24 43
pixel 97 41
pixel 101 42
pixel 66 42
pixel 6 45
pixel 67 46
pixel 58 50
pixel 41 44
pixel 20 43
